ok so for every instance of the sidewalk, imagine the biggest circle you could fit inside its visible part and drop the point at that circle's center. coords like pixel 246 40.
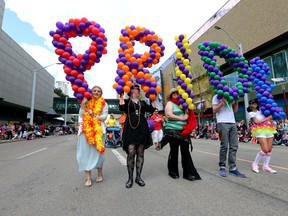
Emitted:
pixel 11 140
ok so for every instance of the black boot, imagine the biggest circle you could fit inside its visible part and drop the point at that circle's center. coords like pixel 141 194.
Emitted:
pixel 139 166
pixel 130 168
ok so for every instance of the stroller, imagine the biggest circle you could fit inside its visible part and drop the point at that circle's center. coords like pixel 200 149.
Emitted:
pixel 113 137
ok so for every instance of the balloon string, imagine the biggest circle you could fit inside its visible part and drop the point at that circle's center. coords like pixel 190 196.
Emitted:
pixel 227 104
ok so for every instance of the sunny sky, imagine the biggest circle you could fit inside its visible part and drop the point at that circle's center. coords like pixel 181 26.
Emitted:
pixel 29 22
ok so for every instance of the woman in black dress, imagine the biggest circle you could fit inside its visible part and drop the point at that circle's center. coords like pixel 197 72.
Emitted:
pixel 136 134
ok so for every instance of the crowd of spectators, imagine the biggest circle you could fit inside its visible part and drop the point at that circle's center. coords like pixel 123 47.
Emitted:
pixel 208 131
pixel 14 130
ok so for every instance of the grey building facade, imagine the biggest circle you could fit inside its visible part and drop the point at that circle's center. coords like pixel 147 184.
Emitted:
pixel 16 79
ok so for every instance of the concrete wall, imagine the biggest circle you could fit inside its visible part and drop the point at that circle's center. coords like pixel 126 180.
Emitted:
pixel 16 76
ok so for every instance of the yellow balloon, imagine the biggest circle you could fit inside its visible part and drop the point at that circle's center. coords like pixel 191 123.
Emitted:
pixel 188 67
pixel 178 88
pixel 187 81
pixel 181 91
pixel 186 62
pixel 176 37
pixel 189 101
pixel 189 51
pixel 190 86
pixel 179 55
pixel 185 36
pixel 191 106
pixel 184 41
pixel 182 76
pixel 186 45
pixel 185 96
pixel 179 73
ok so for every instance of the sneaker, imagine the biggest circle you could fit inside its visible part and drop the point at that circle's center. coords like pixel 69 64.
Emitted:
pixel 222 172
pixel 255 168
pixel 237 173
pixel 268 169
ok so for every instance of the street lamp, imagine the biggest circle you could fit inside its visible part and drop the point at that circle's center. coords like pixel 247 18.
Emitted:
pixel 33 91
pixel 246 100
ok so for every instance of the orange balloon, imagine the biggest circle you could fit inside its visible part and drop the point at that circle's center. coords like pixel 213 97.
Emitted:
pixel 125 78
pixel 155 61
pixel 143 58
pixel 129 44
pixel 128 56
pixel 149 37
pixel 147 76
pixel 126 89
pixel 132 59
pixel 152 97
pixel 147 54
pixel 134 72
pixel 157 89
pixel 120 50
pixel 157 49
pixel 115 85
pixel 134 32
pixel 125 68
pixel 129 83
pixel 120 64
pixel 157 55
pixel 152 79
pixel 146 88
pixel 140 74
pixel 129 74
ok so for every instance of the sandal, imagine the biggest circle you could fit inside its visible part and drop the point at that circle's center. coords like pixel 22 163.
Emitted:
pixel 99 179
pixel 88 183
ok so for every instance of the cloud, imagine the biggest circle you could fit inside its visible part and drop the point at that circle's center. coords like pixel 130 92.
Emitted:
pixel 166 18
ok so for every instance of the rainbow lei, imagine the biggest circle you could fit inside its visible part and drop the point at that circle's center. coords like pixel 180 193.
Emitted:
pixel 92 126
pixel 263 128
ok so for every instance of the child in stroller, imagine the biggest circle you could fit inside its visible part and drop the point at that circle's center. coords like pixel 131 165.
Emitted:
pixel 113 137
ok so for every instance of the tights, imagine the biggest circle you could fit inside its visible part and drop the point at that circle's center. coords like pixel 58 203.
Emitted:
pixel 132 151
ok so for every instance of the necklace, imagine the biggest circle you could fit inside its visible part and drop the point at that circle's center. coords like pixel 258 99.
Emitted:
pixel 138 122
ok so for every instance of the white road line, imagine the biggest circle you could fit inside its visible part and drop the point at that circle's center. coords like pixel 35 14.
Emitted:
pixel 120 157
pixel 31 153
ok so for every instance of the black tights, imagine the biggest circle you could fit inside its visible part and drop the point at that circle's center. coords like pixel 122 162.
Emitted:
pixel 132 151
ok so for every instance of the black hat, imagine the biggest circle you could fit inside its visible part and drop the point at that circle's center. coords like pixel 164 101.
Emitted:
pixel 132 87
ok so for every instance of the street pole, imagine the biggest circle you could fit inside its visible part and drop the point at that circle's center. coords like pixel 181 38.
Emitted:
pixel 246 99
pixel 65 118
pixel 33 92
pixel 33 97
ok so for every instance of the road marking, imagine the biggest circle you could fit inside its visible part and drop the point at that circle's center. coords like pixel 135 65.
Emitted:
pixel 248 161
pixel 120 157
pixel 70 138
pixel 31 153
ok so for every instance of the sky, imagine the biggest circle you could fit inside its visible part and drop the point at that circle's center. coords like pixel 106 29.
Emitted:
pixel 29 22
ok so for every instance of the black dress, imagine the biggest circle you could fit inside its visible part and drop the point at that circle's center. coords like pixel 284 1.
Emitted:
pixel 136 130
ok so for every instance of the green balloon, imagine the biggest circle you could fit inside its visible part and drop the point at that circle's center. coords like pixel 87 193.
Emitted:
pixel 226 95
pixel 208 60
pixel 246 76
pixel 230 99
pixel 250 84
pixel 212 74
pixel 240 75
pixel 223 82
pixel 220 92
pixel 240 92
pixel 217 77
pixel 213 63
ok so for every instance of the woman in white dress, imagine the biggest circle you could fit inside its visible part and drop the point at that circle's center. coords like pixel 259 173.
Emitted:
pixel 90 146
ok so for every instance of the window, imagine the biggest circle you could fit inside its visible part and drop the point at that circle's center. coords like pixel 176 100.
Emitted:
pixel 279 65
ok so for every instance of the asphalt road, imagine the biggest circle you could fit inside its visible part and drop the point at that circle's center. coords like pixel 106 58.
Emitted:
pixel 41 177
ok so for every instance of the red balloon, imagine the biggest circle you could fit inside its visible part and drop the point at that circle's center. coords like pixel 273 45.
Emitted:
pixel 66 55
pixel 74 73
pixel 76 62
pixel 92 56
pixel 87 95
pixel 75 88
pixel 82 90
pixel 92 49
pixel 81 77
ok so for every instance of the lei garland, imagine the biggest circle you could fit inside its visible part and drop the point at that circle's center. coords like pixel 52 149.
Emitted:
pixel 92 126
pixel 208 50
